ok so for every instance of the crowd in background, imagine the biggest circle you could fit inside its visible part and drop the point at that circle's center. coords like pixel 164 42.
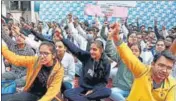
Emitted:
pixel 73 40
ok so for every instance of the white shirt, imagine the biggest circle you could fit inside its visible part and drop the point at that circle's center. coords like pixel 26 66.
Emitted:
pixel 143 45
pixel 164 33
pixel 77 37
pixel 69 67
pixel 147 57
pixel 31 42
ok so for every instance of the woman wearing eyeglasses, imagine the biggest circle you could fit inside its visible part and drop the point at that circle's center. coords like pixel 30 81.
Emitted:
pixel 95 72
pixel 44 74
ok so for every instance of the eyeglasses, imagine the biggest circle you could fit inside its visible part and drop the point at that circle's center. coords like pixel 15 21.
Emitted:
pixel 162 66
pixel 44 54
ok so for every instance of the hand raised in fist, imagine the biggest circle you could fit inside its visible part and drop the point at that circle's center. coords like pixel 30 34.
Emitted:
pixel 15 29
pixel 155 22
pixel 27 26
pixel 57 34
pixel 76 21
pixel 114 31
pixel 69 16
pixel 173 47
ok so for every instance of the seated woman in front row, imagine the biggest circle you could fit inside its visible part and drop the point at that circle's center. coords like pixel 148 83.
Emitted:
pixel 95 72
pixel 44 74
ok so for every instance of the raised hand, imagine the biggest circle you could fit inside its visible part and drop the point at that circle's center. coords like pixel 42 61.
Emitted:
pixel 126 19
pixel 15 29
pixel 57 34
pixel 70 17
pixel 114 32
pixel 164 27
pixel 27 26
pixel 76 21
pixel 137 20
pixel 173 47
pixel 155 22
pixel 106 18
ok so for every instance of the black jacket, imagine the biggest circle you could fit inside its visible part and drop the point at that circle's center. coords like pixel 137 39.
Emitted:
pixel 101 69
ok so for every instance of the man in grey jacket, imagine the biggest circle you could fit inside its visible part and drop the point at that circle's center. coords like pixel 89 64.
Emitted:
pixel 19 47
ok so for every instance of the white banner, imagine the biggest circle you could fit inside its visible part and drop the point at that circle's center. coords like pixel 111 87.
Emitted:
pixel 117 3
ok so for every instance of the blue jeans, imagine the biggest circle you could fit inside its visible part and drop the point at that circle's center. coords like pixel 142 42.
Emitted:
pixel 11 75
pixel 23 96
pixel 118 95
pixel 77 94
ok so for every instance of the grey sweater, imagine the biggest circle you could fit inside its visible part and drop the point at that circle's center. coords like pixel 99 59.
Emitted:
pixel 124 78
pixel 26 51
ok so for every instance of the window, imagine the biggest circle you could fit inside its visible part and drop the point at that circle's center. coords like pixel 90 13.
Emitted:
pixel 20 5
pixel 25 5
pixel 14 5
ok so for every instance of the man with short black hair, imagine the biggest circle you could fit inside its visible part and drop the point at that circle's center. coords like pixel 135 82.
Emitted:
pixel 21 48
pixel 150 84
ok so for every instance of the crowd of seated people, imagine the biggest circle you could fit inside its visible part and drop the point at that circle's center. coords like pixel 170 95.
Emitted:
pixel 45 58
